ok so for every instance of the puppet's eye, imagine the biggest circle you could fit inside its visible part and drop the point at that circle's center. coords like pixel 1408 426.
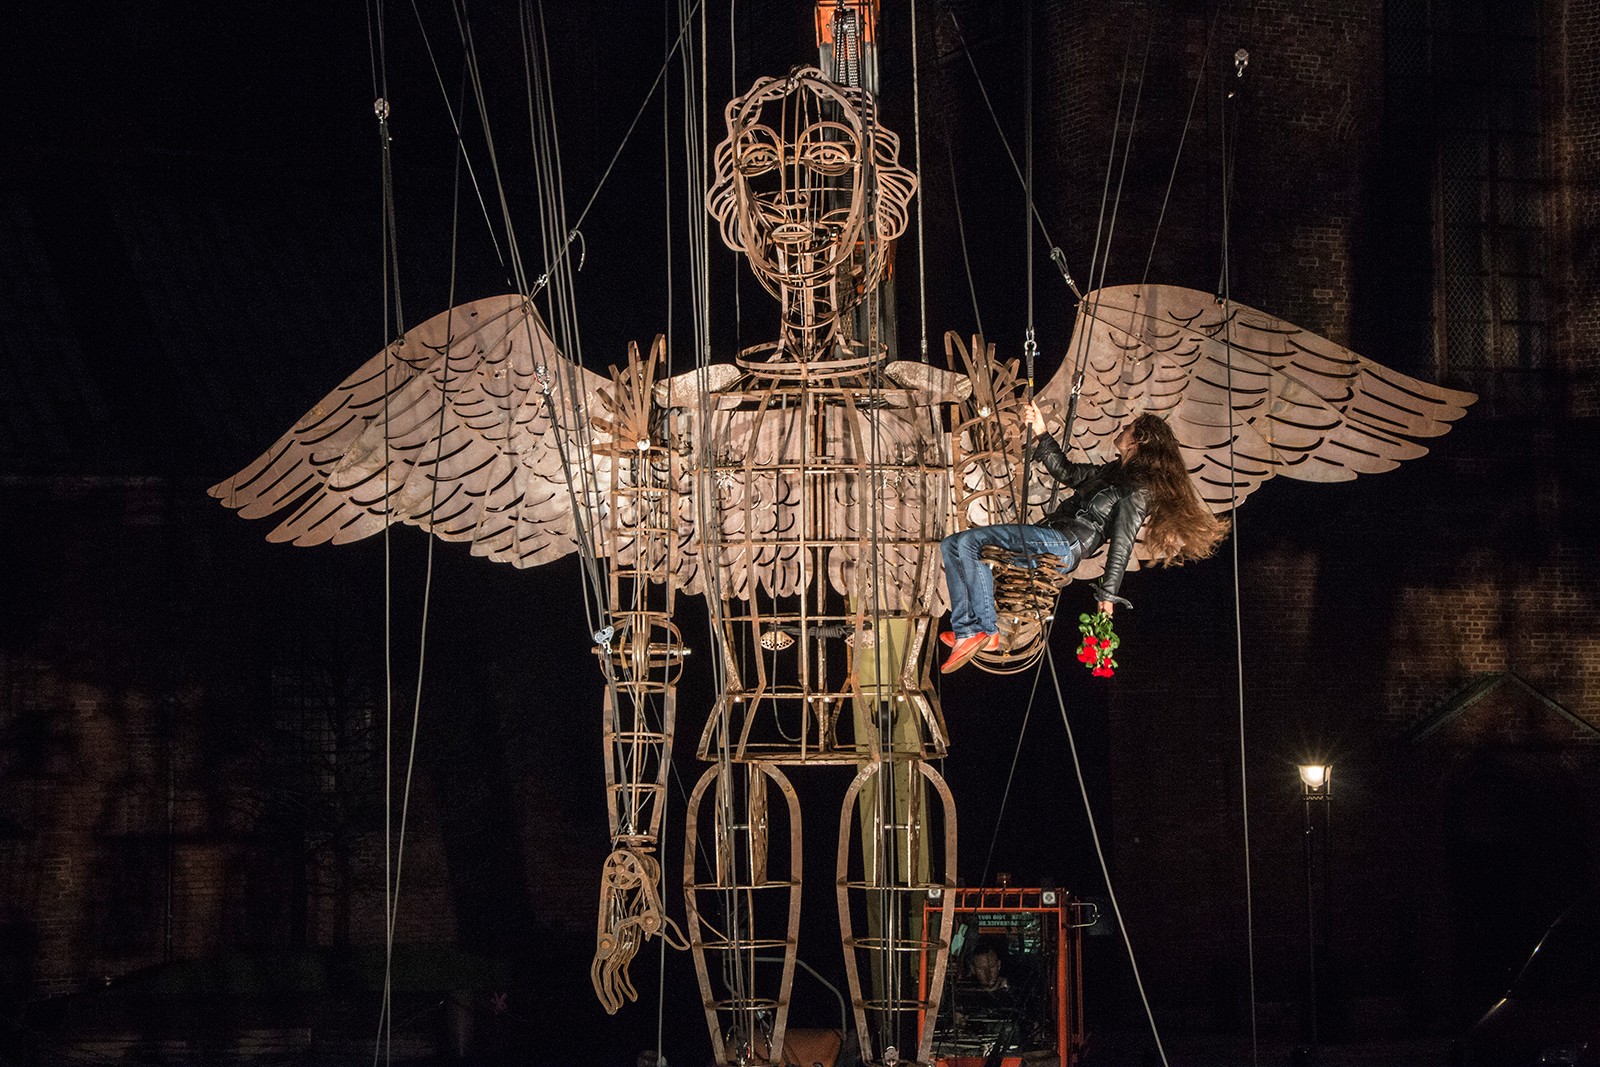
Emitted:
pixel 757 157
pixel 828 148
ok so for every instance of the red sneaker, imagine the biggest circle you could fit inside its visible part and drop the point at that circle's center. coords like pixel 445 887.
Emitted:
pixel 965 649
pixel 949 639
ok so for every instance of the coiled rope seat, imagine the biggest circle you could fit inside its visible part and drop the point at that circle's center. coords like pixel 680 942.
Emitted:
pixel 1026 587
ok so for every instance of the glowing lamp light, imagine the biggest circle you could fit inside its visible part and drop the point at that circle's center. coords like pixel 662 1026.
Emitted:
pixel 1316 779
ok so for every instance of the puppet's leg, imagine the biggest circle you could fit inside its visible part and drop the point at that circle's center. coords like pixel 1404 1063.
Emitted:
pixel 897 859
pixel 743 906
pixel 897 851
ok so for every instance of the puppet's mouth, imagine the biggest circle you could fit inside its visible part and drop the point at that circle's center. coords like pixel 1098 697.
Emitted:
pixel 799 233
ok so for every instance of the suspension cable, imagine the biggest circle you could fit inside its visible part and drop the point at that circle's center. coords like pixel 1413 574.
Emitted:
pixel 1016 755
pixel 1226 287
pixel 1100 855
pixel 377 51
pixel 983 91
pixel 916 141
pixel 454 111
pixel 1101 256
pixel 961 231
pixel 660 74
pixel 1030 346
pixel 1183 136
pixel 427 589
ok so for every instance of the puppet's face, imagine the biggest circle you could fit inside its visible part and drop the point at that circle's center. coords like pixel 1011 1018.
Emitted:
pixel 791 187
pixel 799 184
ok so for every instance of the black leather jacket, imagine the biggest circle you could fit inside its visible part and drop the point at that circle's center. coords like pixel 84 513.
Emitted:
pixel 1103 507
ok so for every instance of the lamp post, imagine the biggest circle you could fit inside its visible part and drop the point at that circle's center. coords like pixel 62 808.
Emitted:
pixel 1316 787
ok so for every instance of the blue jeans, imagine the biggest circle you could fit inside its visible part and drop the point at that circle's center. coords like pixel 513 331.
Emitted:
pixel 971 582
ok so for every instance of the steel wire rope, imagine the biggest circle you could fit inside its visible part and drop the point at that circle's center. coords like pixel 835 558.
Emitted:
pixel 961 232
pixel 1030 346
pixel 691 204
pixel 378 57
pixel 696 170
pixel 916 142
pixel 542 168
pixel 1055 254
pixel 1029 351
pixel 475 77
pixel 1095 259
pixel 611 682
pixel 1183 136
pixel 461 146
pixel 1016 755
pixel 392 893
pixel 1102 252
pixel 922 292
pixel 1032 212
pixel 616 155
pixel 1226 286
pixel 1100 855
pixel 733 92
pixel 564 317
pixel 983 91
pixel 398 843
pixel 1101 258
pixel 660 74
pixel 546 157
pixel 427 600
pixel 671 522
pixel 887 858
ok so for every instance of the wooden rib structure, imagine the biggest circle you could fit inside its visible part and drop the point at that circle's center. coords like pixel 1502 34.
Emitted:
pixel 986 445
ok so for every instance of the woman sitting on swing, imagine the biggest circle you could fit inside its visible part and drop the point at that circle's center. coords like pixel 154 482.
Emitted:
pixel 1147 486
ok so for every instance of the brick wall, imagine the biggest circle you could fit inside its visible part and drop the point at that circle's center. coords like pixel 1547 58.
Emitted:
pixel 1364 606
pixel 1573 52
pixel 124 689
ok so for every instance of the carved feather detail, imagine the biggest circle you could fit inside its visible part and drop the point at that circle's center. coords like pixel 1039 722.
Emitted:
pixel 446 429
pixel 1249 396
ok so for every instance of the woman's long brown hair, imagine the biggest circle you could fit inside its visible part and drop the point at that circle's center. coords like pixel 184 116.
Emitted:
pixel 1178 527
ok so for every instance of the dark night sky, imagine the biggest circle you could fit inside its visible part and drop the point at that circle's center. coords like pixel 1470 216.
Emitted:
pixel 202 190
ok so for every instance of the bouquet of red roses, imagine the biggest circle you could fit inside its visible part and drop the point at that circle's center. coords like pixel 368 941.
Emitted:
pixel 1099 642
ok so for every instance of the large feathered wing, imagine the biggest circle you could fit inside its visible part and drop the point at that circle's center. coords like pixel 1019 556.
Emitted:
pixel 1249 396
pixel 448 429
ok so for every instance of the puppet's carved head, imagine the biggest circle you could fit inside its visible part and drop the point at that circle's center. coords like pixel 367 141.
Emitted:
pixel 792 184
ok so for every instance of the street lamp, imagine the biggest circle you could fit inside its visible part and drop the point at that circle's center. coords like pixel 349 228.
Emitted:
pixel 1316 786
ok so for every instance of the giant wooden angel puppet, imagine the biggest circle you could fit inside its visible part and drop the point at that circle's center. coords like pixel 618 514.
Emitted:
pixel 802 488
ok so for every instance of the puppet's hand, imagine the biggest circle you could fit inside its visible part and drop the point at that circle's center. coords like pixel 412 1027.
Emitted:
pixel 630 912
